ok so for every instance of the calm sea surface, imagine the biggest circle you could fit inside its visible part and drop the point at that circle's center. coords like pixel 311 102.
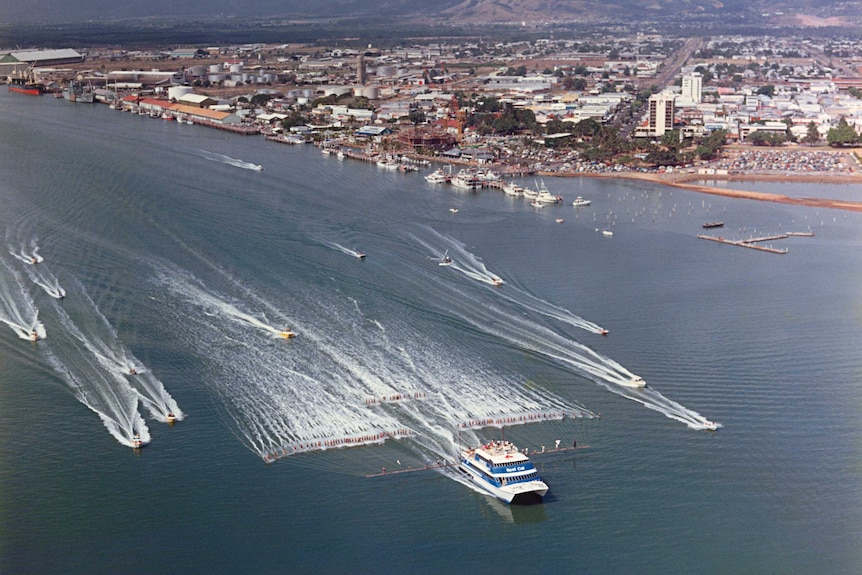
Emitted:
pixel 179 258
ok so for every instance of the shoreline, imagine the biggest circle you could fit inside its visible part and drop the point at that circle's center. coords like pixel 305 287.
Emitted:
pixel 684 181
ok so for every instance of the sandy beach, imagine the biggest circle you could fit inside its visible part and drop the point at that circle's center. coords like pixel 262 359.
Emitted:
pixel 685 181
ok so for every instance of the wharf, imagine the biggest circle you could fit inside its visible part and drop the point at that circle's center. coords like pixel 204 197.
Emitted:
pixel 754 243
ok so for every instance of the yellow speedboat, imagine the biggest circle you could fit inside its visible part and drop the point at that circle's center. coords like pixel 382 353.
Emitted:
pixel 287 334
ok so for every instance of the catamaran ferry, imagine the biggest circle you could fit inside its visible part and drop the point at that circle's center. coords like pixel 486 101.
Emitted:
pixel 504 472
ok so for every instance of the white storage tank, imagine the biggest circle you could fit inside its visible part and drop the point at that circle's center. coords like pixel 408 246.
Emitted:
pixel 215 68
pixel 216 78
pixel 236 68
pixel 198 70
pixel 177 92
pixel 371 92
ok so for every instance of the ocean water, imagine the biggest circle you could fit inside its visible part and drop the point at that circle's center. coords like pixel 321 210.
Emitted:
pixel 179 258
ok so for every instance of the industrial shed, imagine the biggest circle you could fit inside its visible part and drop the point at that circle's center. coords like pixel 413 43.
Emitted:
pixel 17 62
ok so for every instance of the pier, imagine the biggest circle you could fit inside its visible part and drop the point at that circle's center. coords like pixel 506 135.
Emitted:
pixel 754 243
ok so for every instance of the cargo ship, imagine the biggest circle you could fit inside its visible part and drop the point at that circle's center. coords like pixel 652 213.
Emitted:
pixel 24 86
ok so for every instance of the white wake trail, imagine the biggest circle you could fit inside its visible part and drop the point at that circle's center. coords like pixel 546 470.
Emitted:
pixel 346 381
pixel 98 336
pixel 102 390
pixel 212 156
pixel 17 309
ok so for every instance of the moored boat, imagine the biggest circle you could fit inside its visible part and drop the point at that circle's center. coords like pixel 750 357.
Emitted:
pixel 25 86
pixel 438 176
pixel 708 225
pixel 580 202
pixel 501 470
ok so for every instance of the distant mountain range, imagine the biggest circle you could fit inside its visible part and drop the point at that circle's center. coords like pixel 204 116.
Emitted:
pixel 456 11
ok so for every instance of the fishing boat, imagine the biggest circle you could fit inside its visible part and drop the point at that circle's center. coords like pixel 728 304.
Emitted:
pixel 580 202
pixel 501 470
pixel 79 93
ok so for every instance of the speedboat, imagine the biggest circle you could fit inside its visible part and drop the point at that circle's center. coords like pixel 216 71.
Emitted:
pixel 636 381
pixel 497 281
pixel 34 335
pixel 710 425
pixel 501 470
pixel 603 332
pixel 171 418
pixel 360 255
pixel 607 232
pixel 559 220
pixel 445 261
pixel 133 371
pixel 136 441
pixel 580 202
pixel 453 210
pixel 287 334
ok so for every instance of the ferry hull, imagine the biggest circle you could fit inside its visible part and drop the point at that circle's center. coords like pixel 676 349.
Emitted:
pixel 517 493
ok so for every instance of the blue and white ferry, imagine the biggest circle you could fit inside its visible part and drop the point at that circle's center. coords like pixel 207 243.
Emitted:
pixel 504 472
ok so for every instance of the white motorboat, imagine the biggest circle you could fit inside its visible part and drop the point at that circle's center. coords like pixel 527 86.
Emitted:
pixel 438 176
pixel 580 202
pixel 501 470
pixel 467 180
pixel 636 381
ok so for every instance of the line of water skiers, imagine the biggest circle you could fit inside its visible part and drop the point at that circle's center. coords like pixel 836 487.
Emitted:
pixel 336 442
pixel 396 397
pixel 515 419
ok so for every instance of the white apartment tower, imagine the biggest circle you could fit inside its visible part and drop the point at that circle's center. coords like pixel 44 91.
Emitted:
pixel 661 112
pixel 692 88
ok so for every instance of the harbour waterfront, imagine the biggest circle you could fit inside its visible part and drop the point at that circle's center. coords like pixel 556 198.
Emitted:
pixel 195 262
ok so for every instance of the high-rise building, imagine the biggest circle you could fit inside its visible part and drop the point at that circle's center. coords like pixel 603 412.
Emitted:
pixel 360 70
pixel 692 88
pixel 661 110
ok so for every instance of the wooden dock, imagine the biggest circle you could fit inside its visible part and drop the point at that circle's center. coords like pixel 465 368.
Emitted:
pixel 754 243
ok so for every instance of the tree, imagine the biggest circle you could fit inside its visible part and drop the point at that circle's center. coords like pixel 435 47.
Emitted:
pixel 842 135
pixel 260 99
pixel 813 134
pixel 764 138
pixel 768 90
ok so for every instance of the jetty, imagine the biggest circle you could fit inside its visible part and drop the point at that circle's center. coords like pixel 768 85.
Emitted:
pixel 754 243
